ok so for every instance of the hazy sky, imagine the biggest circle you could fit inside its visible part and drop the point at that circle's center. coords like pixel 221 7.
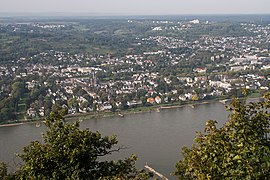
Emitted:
pixel 138 7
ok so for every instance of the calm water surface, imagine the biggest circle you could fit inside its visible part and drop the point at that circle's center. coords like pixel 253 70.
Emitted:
pixel 156 137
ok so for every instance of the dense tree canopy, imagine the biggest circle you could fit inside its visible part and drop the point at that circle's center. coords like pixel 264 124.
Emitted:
pixel 3 170
pixel 238 150
pixel 71 153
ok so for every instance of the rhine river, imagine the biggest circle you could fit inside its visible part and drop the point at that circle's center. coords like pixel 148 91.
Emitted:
pixel 155 137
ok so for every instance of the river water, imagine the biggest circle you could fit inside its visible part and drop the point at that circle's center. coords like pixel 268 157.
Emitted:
pixel 155 137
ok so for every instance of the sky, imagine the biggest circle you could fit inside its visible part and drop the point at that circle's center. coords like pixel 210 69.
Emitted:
pixel 137 7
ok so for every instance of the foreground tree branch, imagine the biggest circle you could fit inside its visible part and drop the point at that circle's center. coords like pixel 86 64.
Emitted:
pixel 238 150
pixel 71 153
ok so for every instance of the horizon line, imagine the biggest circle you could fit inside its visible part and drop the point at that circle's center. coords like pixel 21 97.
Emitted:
pixel 100 14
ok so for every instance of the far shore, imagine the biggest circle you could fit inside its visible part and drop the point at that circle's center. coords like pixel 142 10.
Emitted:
pixel 11 124
pixel 156 108
pixel 183 105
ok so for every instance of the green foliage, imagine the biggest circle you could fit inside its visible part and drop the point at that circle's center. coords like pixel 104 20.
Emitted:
pixel 238 150
pixel 3 170
pixel 4 175
pixel 73 103
pixel 71 153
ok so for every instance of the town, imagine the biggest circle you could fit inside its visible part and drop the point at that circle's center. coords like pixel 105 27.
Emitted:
pixel 173 62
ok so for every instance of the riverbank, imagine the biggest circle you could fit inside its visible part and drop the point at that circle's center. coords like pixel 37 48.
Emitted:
pixel 137 110
pixel 11 124
pixel 122 113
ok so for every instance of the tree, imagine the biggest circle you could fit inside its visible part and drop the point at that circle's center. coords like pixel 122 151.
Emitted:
pixel 238 150
pixel 195 97
pixel 3 170
pixel 73 103
pixel 18 88
pixel 71 153
pixel 4 175
pixel 81 92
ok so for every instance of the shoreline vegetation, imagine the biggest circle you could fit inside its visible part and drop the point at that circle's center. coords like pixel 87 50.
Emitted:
pixel 122 113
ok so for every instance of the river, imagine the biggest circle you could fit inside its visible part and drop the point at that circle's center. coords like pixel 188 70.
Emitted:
pixel 155 137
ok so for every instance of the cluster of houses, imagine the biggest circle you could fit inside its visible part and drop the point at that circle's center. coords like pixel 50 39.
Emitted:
pixel 133 73
pixel 184 91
